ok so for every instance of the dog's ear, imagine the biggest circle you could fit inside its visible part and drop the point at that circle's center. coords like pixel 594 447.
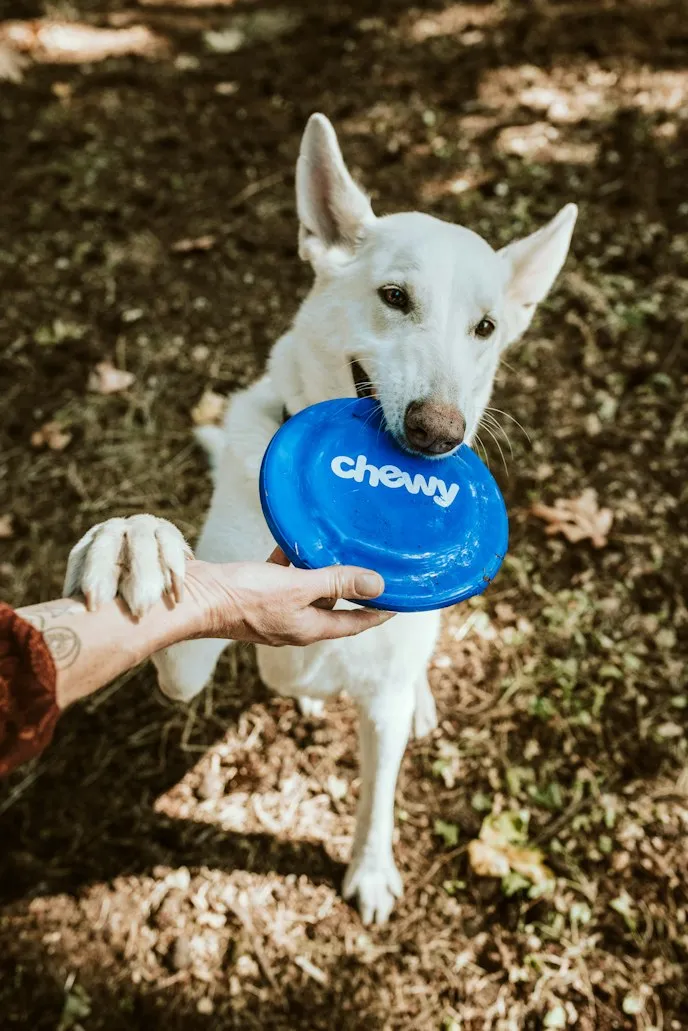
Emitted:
pixel 333 211
pixel 532 265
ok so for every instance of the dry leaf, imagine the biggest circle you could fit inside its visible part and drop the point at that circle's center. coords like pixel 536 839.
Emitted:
pixel 487 861
pixel 210 409
pixel 528 862
pixel 227 89
pixel 507 828
pixel 51 435
pixel 67 42
pixel 577 519
pixel 501 850
pixel 6 528
pixel 106 379
pixel 200 243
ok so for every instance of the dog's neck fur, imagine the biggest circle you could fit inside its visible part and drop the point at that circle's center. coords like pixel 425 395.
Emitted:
pixel 300 379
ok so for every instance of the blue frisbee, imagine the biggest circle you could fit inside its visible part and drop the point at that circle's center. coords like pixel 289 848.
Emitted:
pixel 337 489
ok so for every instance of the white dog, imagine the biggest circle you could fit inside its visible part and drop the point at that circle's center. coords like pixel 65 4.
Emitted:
pixel 418 312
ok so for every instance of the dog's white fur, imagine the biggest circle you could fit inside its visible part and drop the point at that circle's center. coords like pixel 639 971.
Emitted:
pixel 454 279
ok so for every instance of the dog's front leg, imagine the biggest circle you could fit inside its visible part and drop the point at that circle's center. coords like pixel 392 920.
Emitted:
pixel 372 875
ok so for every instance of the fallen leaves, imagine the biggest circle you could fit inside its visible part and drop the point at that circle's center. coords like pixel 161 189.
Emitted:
pixel 106 379
pixel 501 850
pixel 51 435
pixel 63 42
pixel 210 409
pixel 227 89
pixel 6 527
pixel 577 519
pixel 199 243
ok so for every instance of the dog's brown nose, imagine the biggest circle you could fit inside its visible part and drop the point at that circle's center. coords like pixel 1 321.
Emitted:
pixel 433 428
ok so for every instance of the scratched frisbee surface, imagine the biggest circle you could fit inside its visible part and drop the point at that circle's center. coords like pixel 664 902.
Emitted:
pixel 336 488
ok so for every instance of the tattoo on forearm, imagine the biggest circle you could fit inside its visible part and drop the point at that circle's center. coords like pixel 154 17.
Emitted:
pixel 40 615
pixel 64 646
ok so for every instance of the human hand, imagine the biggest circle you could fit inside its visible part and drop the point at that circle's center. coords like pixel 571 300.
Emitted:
pixel 145 560
pixel 276 604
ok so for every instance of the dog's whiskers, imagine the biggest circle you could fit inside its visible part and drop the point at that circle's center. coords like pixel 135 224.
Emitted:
pixel 486 427
pixel 483 448
pixel 522 428
pixel 496 424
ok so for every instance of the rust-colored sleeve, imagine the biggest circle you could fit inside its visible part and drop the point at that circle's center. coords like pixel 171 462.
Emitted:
pixel 28 709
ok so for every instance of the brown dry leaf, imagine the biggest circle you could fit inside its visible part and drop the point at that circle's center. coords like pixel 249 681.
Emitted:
pixel 227 89
pixel 106 379
pixel 64 42
pixel 200 243
pixel 528 862
pixel 501 849
pixel 6 527
pixel 210 409
pixel 51 435
pixel 577 519
pixel 487 861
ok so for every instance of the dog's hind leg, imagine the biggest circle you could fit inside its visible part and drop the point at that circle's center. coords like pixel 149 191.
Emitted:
pixel 372 875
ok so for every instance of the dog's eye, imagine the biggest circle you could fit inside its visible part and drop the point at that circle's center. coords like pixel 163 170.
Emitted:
pixel 395 297
pixel 485 328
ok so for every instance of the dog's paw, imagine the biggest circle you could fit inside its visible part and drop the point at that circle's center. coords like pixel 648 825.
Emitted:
pixel 424 713
pixel 313 707
pixel 376 884
pixel 141 558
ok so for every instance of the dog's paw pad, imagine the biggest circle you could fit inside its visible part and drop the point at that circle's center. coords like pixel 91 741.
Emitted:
pixel 376 887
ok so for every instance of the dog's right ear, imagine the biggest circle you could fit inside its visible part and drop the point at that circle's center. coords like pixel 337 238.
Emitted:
pixel 333 211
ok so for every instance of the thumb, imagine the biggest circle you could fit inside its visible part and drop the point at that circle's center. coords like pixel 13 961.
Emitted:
pixel 349 582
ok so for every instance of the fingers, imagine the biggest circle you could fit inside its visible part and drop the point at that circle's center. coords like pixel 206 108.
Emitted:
pixel 327 626
pixel 348 582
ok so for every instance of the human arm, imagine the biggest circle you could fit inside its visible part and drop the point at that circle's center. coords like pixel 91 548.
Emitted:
pixel 266 603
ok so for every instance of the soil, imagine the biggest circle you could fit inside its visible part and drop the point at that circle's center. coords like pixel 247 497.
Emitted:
pixel 179 868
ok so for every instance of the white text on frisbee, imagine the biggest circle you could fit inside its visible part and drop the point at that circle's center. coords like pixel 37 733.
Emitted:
pixel 390 476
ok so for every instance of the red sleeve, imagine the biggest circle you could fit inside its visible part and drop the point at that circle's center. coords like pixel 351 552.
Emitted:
pixel 28 709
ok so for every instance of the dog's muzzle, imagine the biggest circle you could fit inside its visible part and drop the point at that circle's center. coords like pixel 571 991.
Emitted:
pixel 364 386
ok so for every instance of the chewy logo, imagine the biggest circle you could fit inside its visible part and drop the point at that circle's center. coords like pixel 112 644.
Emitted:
pixel 389 476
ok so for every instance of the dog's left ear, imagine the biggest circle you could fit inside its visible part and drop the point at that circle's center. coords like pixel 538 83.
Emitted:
pixel 532 265
pixel 333 211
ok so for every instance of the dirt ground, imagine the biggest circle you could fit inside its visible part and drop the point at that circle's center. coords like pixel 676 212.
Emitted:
pixel 179 868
